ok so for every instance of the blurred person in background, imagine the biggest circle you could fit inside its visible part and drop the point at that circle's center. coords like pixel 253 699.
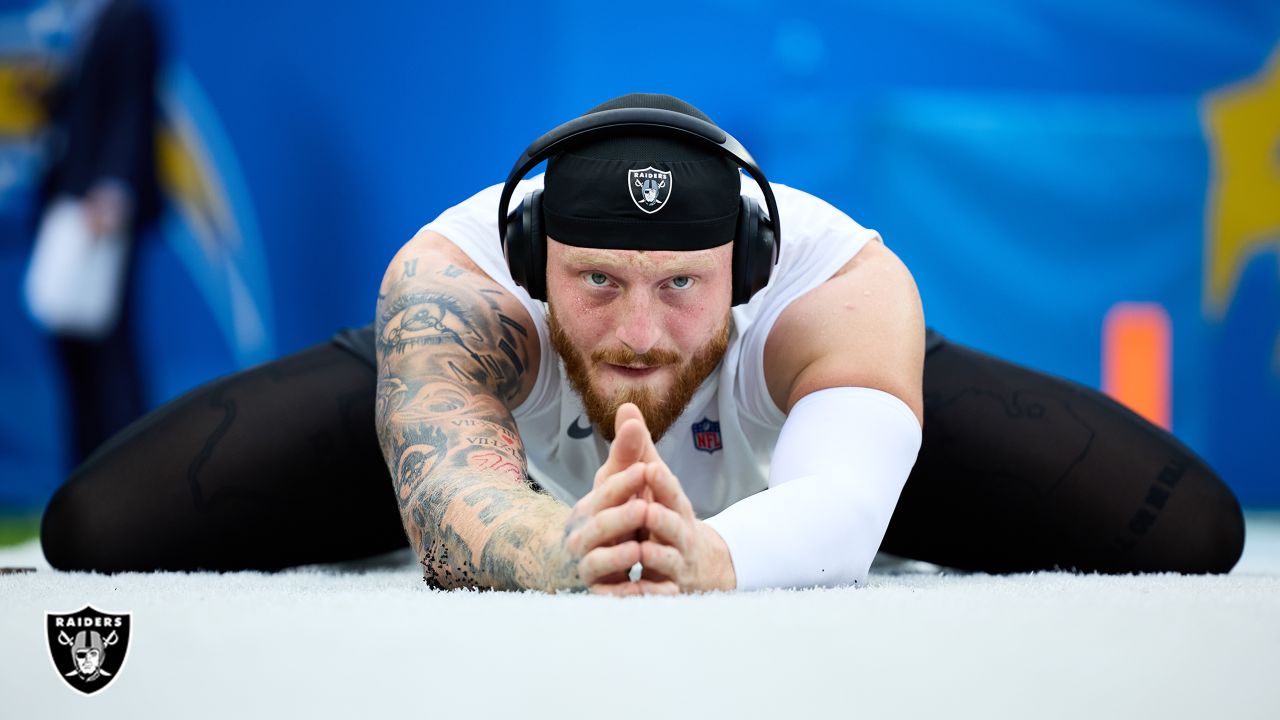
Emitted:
pixel 97 196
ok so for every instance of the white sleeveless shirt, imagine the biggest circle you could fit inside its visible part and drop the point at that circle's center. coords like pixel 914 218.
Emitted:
pixel 720 446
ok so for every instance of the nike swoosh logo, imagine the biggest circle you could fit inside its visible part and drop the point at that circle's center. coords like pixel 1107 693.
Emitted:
pixel 578 432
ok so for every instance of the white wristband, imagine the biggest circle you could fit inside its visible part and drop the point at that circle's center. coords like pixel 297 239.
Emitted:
pixel 838 468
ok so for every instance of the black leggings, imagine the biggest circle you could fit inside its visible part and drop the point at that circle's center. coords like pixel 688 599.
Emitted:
pixel 279 465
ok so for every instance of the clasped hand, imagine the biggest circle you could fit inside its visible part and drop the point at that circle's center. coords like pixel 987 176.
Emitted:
pixel 638 512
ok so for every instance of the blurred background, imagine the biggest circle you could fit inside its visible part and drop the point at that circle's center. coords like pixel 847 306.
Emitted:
pixel 1088 188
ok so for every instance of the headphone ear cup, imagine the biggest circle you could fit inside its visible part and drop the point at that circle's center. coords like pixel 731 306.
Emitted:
pixel 537 249
pixel 754 251
pixel 525 246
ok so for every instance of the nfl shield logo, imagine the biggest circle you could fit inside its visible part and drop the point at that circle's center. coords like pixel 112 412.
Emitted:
pixel 706 435
pixel 88 647
pixel 650 188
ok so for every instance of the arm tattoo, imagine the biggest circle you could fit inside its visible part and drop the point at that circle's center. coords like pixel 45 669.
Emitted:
pixel 450 363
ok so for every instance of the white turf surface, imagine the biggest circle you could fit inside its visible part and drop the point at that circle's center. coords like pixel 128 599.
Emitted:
pixel 372 641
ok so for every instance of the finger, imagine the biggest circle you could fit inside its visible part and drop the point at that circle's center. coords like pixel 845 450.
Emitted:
pixel 618 589
pixel 605 561
pixel 630 441
pixel 652 575
pixel 665 587
pixel 626 411
pixel 666 488
pixel 618 488
pixel 608 527
pixel 614 579
pixel 646 495
pixel 662 559
pixel 667 526
pixel 628 447
pixel 629 411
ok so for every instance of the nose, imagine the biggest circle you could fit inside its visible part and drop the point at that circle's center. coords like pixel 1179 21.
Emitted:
pixel 638 326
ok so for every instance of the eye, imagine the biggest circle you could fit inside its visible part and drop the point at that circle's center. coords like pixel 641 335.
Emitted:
pixel 681 282
pixel 596 279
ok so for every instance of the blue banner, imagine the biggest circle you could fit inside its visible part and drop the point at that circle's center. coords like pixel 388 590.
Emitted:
pixel 1037 164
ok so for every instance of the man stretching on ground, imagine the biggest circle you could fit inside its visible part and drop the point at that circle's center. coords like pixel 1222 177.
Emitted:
pixel 764 417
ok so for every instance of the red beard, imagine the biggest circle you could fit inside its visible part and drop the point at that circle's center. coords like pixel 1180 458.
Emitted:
pixel 659 411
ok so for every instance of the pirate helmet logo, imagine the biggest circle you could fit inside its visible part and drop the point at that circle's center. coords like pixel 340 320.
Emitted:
pixel 88 647
pixel 650 188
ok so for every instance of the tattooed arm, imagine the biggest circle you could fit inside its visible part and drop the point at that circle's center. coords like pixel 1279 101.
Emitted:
pixel 455 352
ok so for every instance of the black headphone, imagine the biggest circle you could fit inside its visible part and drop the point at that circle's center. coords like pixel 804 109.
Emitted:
pixel 756 241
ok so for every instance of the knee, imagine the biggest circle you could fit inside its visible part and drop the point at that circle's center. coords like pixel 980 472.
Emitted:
pixel 56 529
pixel 1218 542
pixel 1192 524
pixel 1208 537
pixel 70 534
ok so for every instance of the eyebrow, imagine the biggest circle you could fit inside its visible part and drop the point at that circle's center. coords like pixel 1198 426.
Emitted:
pixel 698 263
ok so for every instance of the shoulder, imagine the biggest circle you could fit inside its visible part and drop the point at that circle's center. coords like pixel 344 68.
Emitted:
pixel 862 327
pixel 803 214
pixel 434 299
pixel 428 259
pixel 426 245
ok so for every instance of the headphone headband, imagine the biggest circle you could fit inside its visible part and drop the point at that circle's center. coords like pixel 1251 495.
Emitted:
pixel 622 121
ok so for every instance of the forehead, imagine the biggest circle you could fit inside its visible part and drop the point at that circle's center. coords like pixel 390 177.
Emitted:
pixel 658 261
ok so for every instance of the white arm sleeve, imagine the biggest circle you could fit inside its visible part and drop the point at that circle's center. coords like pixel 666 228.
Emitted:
pixel 841 460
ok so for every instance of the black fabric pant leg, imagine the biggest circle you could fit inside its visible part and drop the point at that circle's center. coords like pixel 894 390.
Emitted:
pixel 1022 471
pixel 271 467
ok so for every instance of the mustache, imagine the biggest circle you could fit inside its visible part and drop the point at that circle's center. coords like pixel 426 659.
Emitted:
pixel 652 358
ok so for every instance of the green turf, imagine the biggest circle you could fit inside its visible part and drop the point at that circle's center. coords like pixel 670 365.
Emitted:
pixel 16 529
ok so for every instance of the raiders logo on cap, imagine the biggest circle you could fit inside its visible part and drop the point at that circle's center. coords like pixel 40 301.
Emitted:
pixel 650 188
